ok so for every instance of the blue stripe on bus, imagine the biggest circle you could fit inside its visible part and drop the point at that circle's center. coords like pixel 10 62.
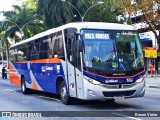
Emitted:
pixel 44 73
pixel 120 80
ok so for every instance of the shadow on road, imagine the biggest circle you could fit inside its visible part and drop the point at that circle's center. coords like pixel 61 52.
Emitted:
pixel 101 105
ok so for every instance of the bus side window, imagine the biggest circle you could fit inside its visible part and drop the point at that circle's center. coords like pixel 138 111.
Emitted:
pixel 29 47
pixel 35 50
pixel 43 49
pixel 13 54
pixel 73 54
pixel 22 53
pixel 59 49
pixel 69 50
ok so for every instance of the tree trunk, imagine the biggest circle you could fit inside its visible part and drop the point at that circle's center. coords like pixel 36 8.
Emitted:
pixel 7 53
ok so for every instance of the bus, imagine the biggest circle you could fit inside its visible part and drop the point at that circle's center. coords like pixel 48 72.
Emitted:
pixel 84 60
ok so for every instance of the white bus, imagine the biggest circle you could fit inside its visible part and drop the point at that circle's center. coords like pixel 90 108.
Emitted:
pixel 86 60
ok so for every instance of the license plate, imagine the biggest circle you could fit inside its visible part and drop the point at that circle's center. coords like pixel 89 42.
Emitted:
pixel 119 97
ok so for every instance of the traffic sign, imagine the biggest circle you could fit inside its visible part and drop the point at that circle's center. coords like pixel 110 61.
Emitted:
pixel 150 52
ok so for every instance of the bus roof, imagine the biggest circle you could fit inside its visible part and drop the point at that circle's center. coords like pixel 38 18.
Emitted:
pixel 79 25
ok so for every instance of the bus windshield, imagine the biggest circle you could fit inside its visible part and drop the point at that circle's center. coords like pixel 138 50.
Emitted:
pixel 112 50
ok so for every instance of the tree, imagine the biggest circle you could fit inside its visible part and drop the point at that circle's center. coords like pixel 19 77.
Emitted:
pixel 56 13
pixel 149 11
pixel 51 11
pixel 21 17
pixel 110 11
pixel 32 4
pixel 4 46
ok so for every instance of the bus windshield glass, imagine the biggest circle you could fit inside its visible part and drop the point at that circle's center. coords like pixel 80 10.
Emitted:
pixel 112 50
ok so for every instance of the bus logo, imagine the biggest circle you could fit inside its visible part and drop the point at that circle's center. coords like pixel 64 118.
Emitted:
pixel 111 81
pixel 45 68
pixel 72 86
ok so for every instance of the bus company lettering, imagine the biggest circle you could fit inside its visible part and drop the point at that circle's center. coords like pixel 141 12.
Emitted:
pixel 111 81
pixel 45 68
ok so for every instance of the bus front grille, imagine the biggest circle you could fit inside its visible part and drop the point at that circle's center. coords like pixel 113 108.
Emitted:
pixel 117 86
pixel 119 93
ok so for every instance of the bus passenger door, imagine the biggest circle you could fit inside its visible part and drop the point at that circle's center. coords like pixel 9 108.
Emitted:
pixel 70 69
pixel 73 59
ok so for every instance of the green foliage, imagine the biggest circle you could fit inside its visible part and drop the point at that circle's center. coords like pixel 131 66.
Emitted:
pixel 57 12
pixel 106 12
pixel 32 4
pixel 24 18
pixel 54 13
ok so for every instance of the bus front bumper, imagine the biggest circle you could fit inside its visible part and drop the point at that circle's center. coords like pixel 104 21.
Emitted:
pixel 104 91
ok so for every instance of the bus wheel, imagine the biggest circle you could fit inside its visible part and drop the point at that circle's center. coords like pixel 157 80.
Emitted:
pixel 63 94
pixel 23 87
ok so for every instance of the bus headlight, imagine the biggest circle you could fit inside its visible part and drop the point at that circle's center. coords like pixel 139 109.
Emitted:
pixel 140 79
pixel 95 82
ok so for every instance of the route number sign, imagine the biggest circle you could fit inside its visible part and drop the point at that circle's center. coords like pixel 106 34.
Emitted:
pixel 150 52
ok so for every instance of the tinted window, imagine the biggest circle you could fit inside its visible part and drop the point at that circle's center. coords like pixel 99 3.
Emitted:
pixel 43 49
pixel 35 50
pixel 55 45
pixel 13 55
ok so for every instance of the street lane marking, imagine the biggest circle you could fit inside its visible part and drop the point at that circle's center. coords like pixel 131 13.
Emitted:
pixel 25 102
pixel 49 98
pixel 10 90
pixel 125 109
pixel 127 116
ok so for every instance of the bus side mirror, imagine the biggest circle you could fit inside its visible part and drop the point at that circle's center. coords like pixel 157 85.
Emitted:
pixel 80 45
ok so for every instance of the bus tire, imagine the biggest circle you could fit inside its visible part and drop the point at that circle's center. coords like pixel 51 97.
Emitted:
pixel 24 89
pixel 65 99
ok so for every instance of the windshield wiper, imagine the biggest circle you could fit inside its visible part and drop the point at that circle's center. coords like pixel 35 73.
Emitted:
pixel 137 60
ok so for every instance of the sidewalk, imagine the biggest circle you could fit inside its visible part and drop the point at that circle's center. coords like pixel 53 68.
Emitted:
pixel 153 82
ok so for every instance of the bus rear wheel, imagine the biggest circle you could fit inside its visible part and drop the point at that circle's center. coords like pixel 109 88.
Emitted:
pixel 65 99
pixel 23 86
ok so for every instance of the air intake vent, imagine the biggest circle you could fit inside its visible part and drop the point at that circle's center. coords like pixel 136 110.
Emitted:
pixel 119 93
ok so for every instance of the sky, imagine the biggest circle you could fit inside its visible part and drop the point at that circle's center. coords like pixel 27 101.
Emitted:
pixel 6 5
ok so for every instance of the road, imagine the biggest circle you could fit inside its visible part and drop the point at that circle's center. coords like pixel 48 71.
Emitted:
pixel 12 99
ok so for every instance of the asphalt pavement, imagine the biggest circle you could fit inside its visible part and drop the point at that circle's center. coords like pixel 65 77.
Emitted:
pixel 153 82
pixel 12 99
